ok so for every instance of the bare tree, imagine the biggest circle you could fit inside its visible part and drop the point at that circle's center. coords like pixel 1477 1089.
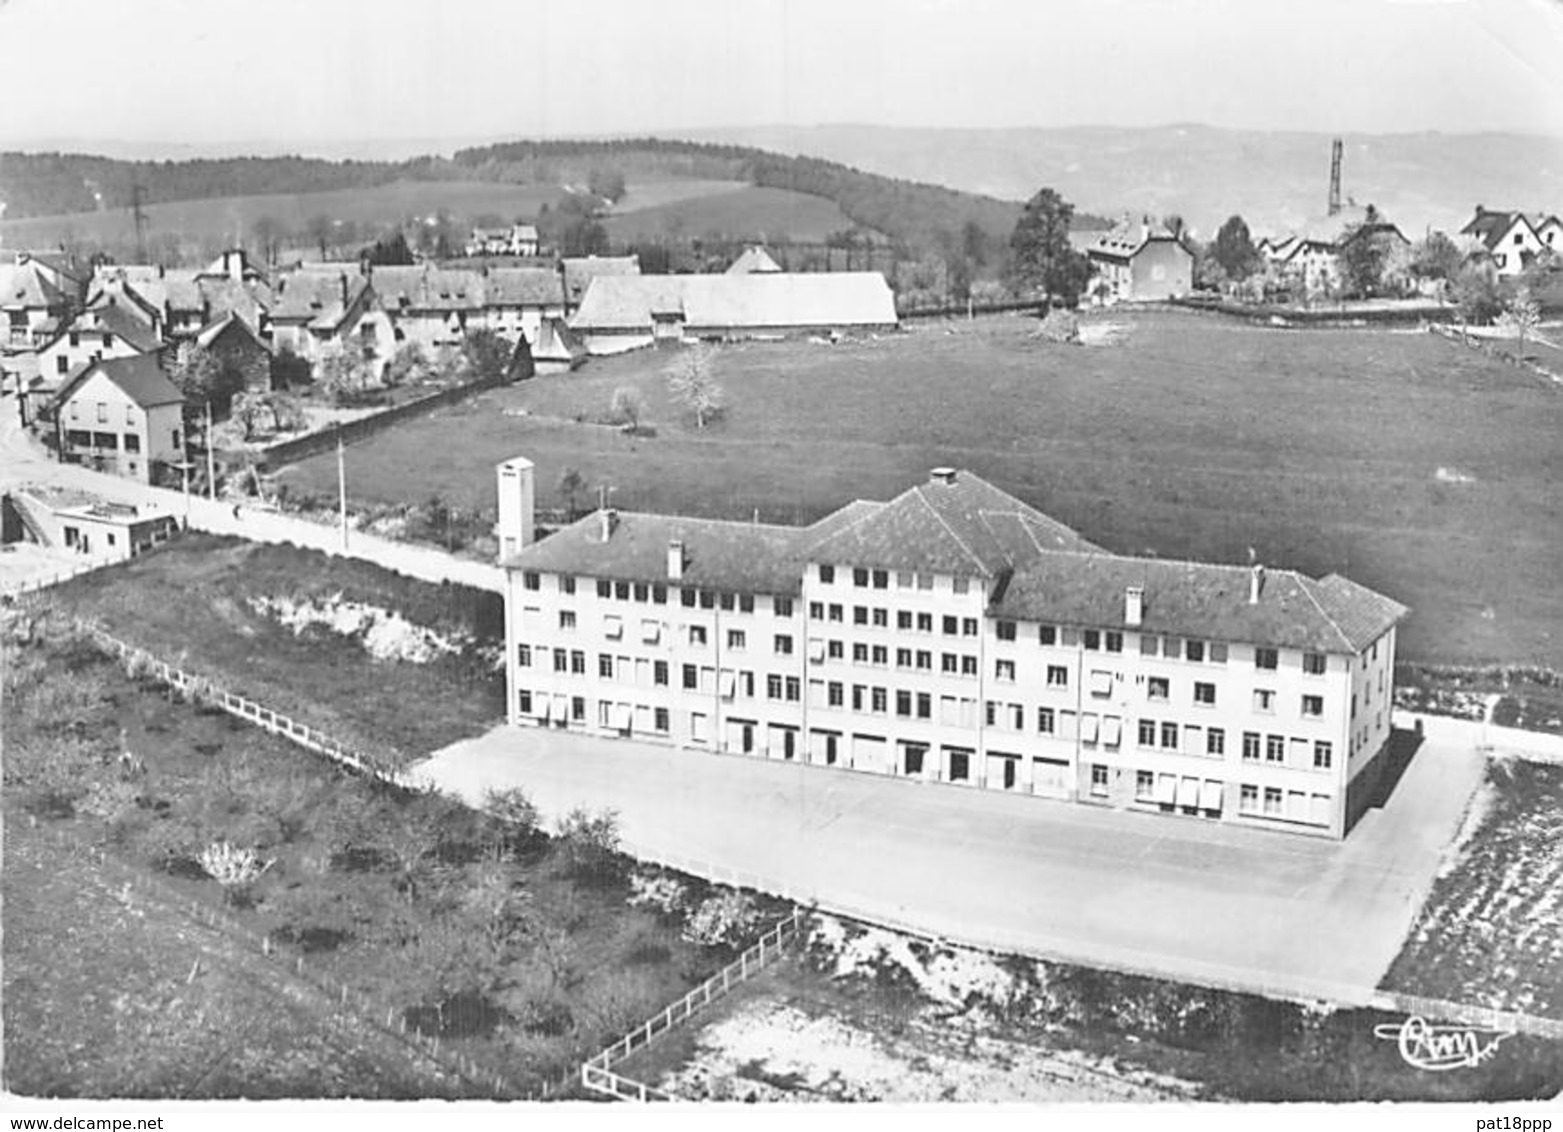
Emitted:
pixel 625 407
pixel 571 484
pixel 694 385
pixel 1523 314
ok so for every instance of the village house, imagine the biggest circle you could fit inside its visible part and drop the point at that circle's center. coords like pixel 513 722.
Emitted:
pixel 517 301
pixel 325 310
pixel 579 271
pixel 1153 266
pixel 237 349
pixel 431 307
pixel 517 240
pixel 956 635
pixel 34 307
pixel 1508 237
pixel 106 331
pixel 120 415
pixel 625 312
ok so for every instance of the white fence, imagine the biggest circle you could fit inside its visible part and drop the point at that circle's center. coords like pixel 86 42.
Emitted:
pixel 62 575
pixel 597 1073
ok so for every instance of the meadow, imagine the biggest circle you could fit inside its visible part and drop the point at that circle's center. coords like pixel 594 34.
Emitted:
pixel 1397 458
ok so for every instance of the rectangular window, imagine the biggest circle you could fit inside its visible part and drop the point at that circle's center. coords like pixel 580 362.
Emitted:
pixel 1272 801
pixel 1004 670
pixel 1147 736
pixel 1171 648
pixel 561 660
pixel 904 580
pixel 925 622
pixel 1098 780
pixel 903 658
pixel 1047 634
pixel 642 592
pixel 881 655
pixel 860 615
pixel 567 584
pixel 859 653
pixel 881 618
pixel 1057 676
pixel 783 644
pixel 1322 755
pixel 816 611
pixel 707 599
pixel 1313 705
pixel 952 626
pixel 859 577
pixel 881 579
pixel 835 650
pixel 1144 786
pixel 531 580
pixel 1266 658
pixel 1045 721
pixel 835 612
pixel 903 619
pixel 659 672
pixel 524 656
pixel 924 660
pixel 1251 745
pixel 1005 630
pixel 566 619
pixel 1093 639
pixel 924 705
pixel 773 687
pixel 1215 741
pixel 1275 749
pixel 878 699
pixel 835 693
pixel 1101 683
pixel 1264 701
pixel 621 591
pixel 1114 641
pixel 794 689
pixel 1149 645
pixel 662 723
pixel 687 597
pixel 735 639
pixel 132 442
pixel 903 702
pixel 605 666
pixel 697 635
pixel 1248 798
pixel 960 584
pixel 691 677
pixel 1169 736
pixel 578 662
pixel 1218 653
pixel 1158 688
pixel 726 603
pixel 1194 650
pixel 1204 693
pixel 858 692
pixel 659 594
pixel 949 662
pixel 1313 663
pixel 827 575
pixel 969 627
pixel 524 701
pixel 968 666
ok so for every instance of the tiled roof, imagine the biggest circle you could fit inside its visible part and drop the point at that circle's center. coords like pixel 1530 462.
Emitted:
pixel 1491 226
pixel 426 288
pixel 580 271
pixel 718 555
pixel 1201 600
pixel 316 297
pixel 135 333
pixel 524 286
pixel 966 527
pixel 228 324
pixel 140 378
pixel 28 285
pixel 757 300
pixel 1120 245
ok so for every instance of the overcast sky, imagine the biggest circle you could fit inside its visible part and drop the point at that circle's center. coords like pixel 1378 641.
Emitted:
pixel 299 73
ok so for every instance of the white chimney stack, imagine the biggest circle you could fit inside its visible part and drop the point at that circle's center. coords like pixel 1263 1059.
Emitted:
pixel 514 529
pixel 1256 583
pixel 675 560
pixel 1133 606
pixel 609 518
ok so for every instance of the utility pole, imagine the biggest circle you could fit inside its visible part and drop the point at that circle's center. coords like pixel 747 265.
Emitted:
pixel 1335 160
pixel 139 216
pixel 341 484
pixel 211 455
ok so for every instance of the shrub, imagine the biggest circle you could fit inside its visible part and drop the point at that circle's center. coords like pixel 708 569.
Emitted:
pixel 665 893
pixel 728 919
pixel 588 845
pixel 231 866
pixel 513 810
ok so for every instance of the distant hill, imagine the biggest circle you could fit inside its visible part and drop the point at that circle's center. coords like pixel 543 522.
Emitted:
pixel 1204 174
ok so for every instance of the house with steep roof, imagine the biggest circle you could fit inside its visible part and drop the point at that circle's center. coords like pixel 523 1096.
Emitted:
pixel 753 259
pixel 579 271
pixel 328 310
pixel 519 301
pixel 120 415
pixel 957 635
pixel 1549 230
pixel 625 312
pixel 1508 237
pixel 238 350
pixel 1151 266
pixel 106 331
pixel 516 240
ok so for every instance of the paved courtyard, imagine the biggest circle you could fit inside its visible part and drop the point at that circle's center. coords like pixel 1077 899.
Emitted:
pixel 1241 908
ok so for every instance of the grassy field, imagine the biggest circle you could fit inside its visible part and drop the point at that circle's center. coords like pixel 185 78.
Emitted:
pixel 887 1018
pixel 1410 464
pixel 749 212
pixel 520 950
pixel 201 221
pixel 198 602
pixel 1491 932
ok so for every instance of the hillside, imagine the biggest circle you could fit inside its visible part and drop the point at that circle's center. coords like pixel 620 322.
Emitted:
pixel 1202 173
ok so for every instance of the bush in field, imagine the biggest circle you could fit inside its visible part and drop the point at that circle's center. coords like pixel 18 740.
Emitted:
pixel 520 823
pixel 235 868
pixel 727 919
pixel 625 408
pixel 657 890
pixel 588 845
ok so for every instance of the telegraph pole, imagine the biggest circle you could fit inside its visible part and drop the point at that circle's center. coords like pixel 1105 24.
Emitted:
pixel 341 484
pixel 211 455
pixel 139 216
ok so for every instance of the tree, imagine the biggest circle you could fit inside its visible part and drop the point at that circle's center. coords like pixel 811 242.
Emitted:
pixel 1234 249
pixel 269 233
pixel 571 484
pixel 1522 314
pixel 487 354
pixel 1437 257
pixel 1043 262
pixel 204 379
pixel 693 385
pixel 409 363
pixel 1476 295
pixel 1364 254
pixel 607 184
pixel 1174 224
pixel 343 374
pixel 320 231
pixel 389 251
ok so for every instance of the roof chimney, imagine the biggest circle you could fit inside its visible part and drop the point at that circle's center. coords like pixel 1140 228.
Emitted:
pixel 1133 606
pixel 1256 583
pixel 342 279
pixel 675 560
pixel 609 519
pixel 941 475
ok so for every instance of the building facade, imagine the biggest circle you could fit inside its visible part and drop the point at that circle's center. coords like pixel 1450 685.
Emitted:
pixel 121 415
pixel 955 635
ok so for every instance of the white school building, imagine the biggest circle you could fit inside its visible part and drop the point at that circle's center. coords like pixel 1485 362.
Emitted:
pixel 957 635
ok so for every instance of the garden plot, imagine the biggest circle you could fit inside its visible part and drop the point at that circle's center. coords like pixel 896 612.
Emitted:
pixel 1491 933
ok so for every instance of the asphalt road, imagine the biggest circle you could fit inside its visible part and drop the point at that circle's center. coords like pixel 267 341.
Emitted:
pixel 1269 912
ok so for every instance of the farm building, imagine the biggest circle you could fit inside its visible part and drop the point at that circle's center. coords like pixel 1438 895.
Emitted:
pixel 1151 266
pixel 579 271
pixel 625 312
pixel 956 635
pixel 1511 238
